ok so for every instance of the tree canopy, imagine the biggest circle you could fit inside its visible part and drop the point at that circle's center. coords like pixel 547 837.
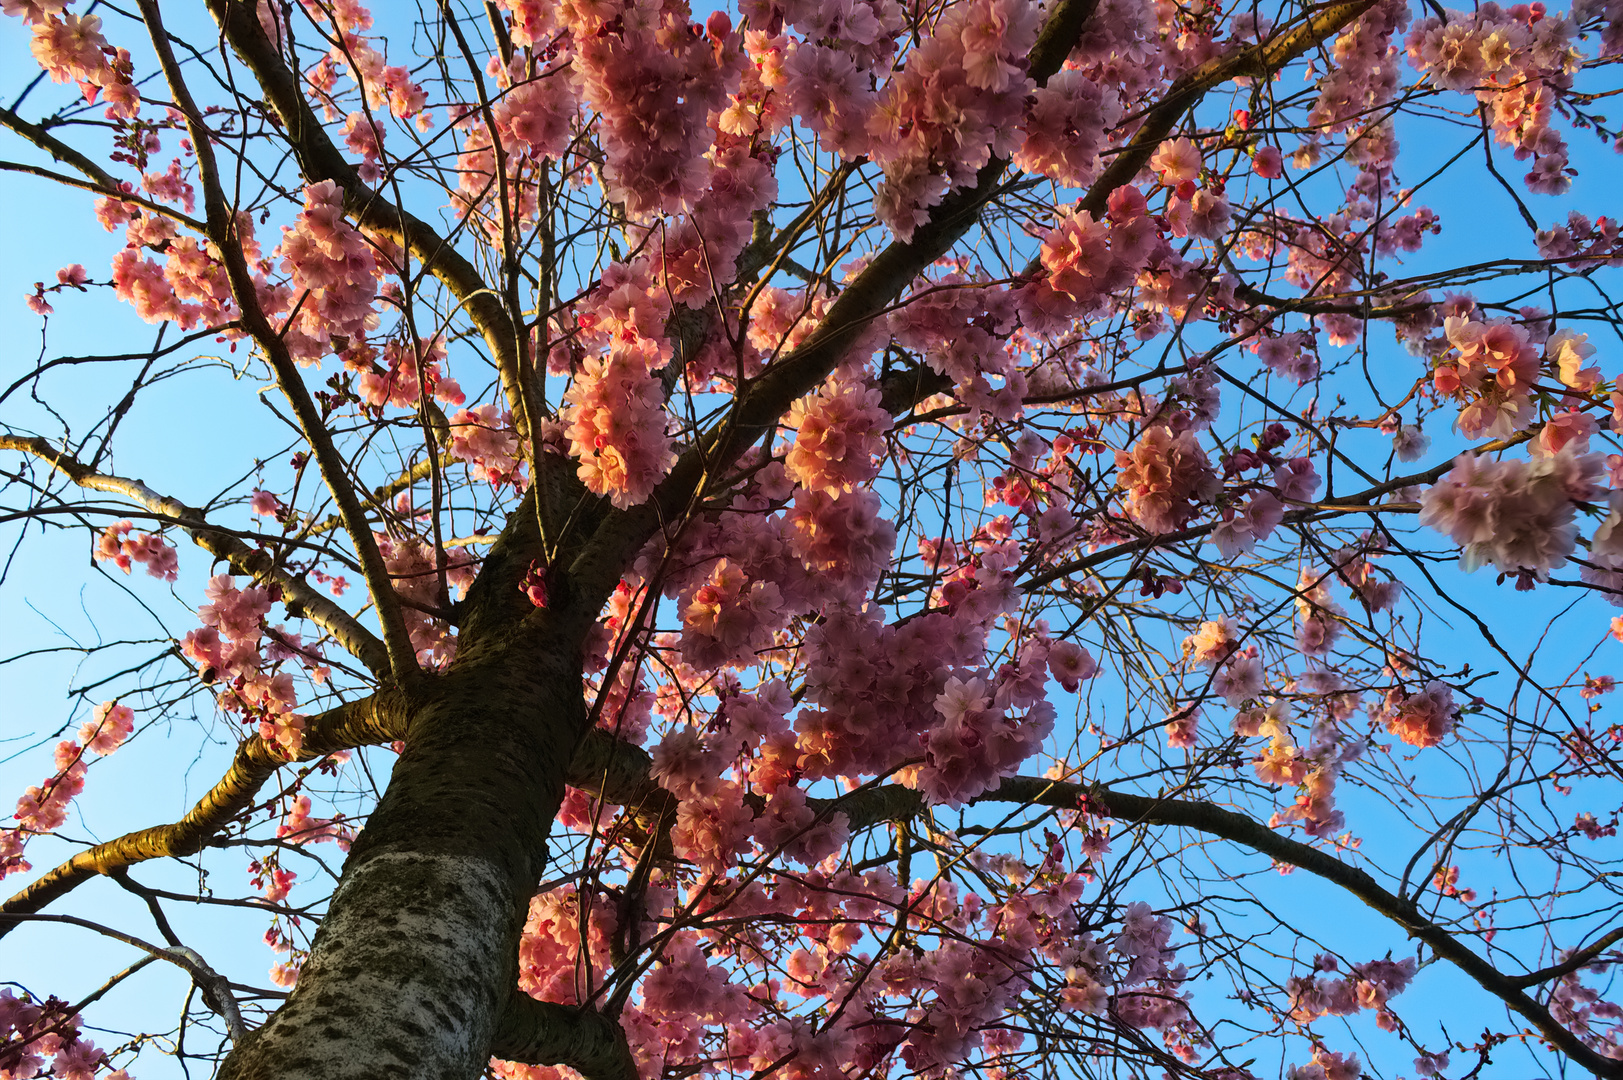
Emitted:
pixel 825 538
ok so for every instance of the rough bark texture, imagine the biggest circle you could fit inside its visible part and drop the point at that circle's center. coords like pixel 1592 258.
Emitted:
pixel 418 955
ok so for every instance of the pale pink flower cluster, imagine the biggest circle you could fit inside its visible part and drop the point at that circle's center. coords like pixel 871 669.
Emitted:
pixel 959 100
pixel 872 689
pixel 1420 719
pixel 1358 573
pixel 961 328
pixel 653 82
pixel 1366 986
pixel 550 965
pixel 615 407
pixel 978 742
pixel 415 573
pixel 71 48
pixel 43 1038
pixel 1516 515
pixel 1066 127
pixel 1517 61
pixel 227 651
pixel 1291 355
pixel 1213 643
pixel 386 86
pixel 535 120
pixel 189 287
pixel 1490 369
pixel 1318 616
pixel 1361 81
pixel 1086 262
pixel 115 545
pixel 1243 525
pixel 1581 242
pixel 1327 1064
pixel 1166 477
pixel 1582 1010
pixel 298 827
pixel 839 434
pixel 43 808
pixel 109 725
pixel 728 618
pixel 483 436
pixel 692 259
pixel 842 536
pixel 364 138
pixel 332 269
pixel 405 374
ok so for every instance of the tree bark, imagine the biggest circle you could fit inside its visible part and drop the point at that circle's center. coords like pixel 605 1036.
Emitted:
pixel 418 954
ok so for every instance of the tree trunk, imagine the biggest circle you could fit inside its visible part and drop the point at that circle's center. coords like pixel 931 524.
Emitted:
pixel 418 953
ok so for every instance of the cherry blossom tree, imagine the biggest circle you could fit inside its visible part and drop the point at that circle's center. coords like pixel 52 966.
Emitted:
pixel 828 538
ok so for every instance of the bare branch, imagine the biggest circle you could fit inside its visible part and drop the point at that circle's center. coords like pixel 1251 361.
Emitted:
pixel 356 639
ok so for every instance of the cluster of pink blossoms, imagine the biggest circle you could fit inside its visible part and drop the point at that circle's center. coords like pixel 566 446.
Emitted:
pixel 189 287
pixel 115 545
pixel 615 406
pixel 333 274
pixel 298 827
pixel 1166 477
pixel 1516 515
pixel 959 101
pixel 39 1038
pixel 1518 61
pixel 839 435
pixel 1491 369
pixel 415 572
pixel 483 436
pixel 404 375
pixel 1087 262
pixel 71 49
pixel 654 84
pixel 43 808
pixel 386 86
pixel 237 652
pixel 1366 986
pixel 1420 719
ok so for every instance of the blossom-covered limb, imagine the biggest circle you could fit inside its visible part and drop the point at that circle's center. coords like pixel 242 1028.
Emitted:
pixel 366 722
pixel 610 770
pixel 1258 61
pixel 320 159
pixel 881 281
pixel 222 228
pixel 356 639
pixel 888 803
pixel 1579 959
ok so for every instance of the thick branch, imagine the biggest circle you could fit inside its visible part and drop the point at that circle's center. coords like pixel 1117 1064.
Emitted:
pixel 544 1033
pixel 1259 61
pixel 257 563
pixel 872 293
pixel 870 806
pixel 320 159
pixel 617 772
pixel 369 721
pixel 222 229
pixel 1581 958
